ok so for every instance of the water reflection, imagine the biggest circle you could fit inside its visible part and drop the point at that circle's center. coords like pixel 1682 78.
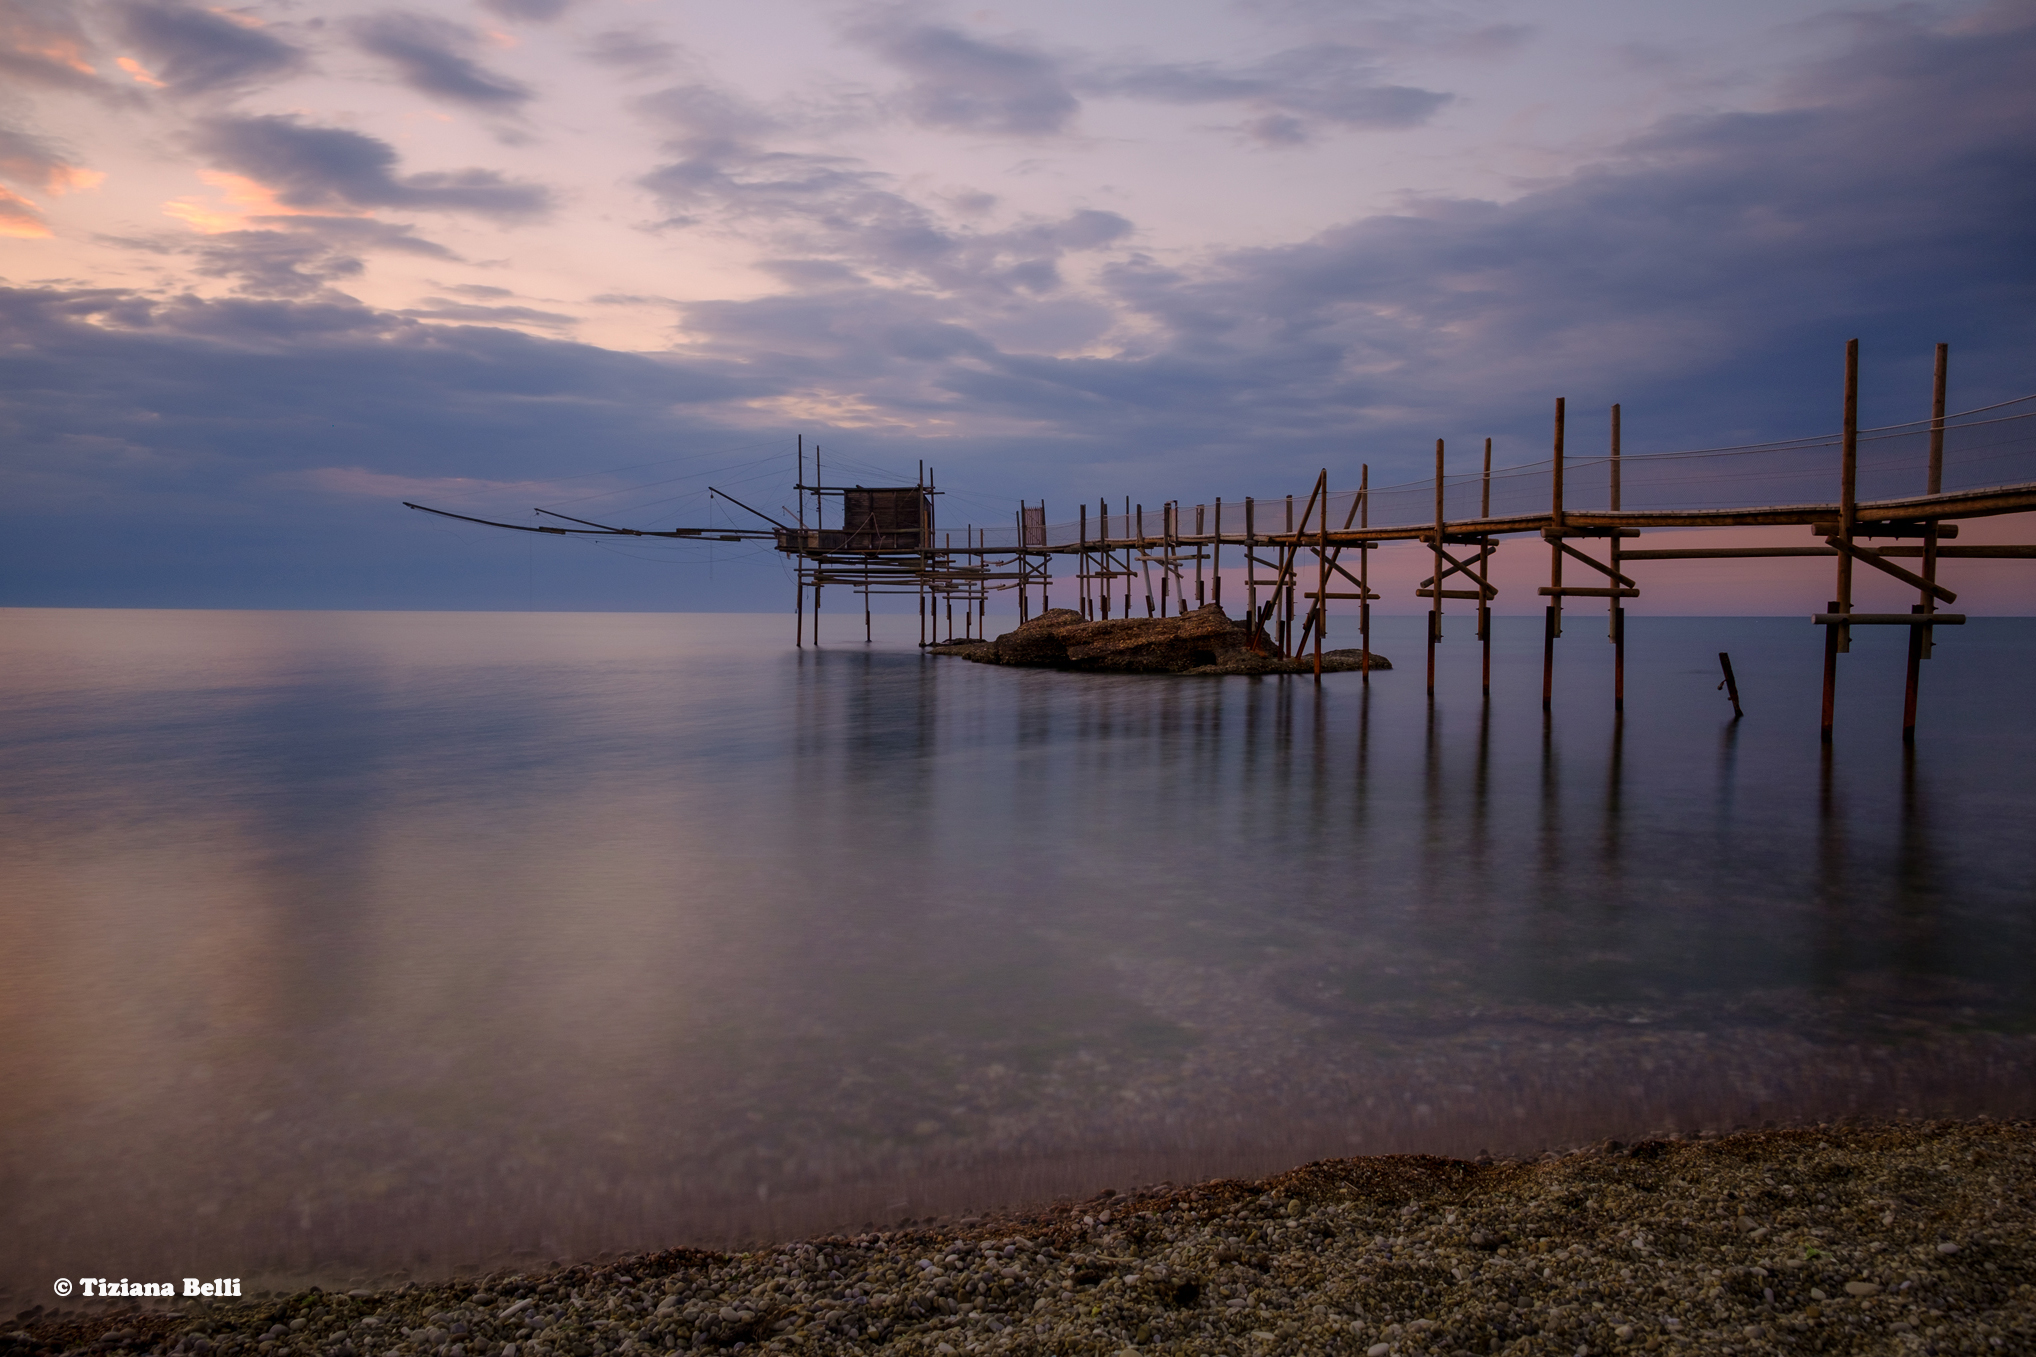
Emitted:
pixel 350 944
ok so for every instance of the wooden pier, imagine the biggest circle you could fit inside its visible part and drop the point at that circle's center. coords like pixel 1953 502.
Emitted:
pixel 1130 561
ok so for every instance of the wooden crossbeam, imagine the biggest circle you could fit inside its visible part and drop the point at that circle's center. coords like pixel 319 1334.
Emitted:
pixel 1888 619
pixel 1579 591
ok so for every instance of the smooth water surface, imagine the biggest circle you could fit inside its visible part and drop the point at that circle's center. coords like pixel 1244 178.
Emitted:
pixel 343 944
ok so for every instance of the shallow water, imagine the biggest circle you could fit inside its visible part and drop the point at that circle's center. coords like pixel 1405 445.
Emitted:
pixel 344 944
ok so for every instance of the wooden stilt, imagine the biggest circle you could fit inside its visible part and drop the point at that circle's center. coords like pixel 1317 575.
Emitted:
pixel 1364 577
pixel 1216 555
pixel 1321 569
pixel 1848 487
pixel 1283 595
pixel 1435 606
pixel 1045 566
pixel 1830 675
pixel 1921 639
pixel 1618 611
pixel 1200 599
pixel 1485 573
pixel 1552 622
pixel 1251 575
pixel 799 569
pixel 1083 568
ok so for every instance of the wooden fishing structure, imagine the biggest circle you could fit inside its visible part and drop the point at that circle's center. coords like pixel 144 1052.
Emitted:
pixel 886 541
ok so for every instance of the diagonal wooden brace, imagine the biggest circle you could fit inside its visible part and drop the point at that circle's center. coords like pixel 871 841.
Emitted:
pixel 1341 570
pixel 1595 564
pixel 1464 567
pixel 1869 556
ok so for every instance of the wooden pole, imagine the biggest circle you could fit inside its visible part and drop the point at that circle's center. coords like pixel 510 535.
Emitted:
pixel 1023 582
pixel 1435 604
pixel 1103 519
pixel 1920 638
pixel 1618 610
pixel 1288 560
pixel 1730 684
pixel 1200 599
pixel 1936 482
pixel 1216 563
pixel 1364 575
pixel 1250 574
pixel 1485 572
pixel 1086 614
pixel 1045 566
pixel 1848 489
pixel 1915 667
pixel 799 569
pixel 1144 566
pixel 1169 529
pixel 1321 571
pixel 1830 674
pixel 1551 626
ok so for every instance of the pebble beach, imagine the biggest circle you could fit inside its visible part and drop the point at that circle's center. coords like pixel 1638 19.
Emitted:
pixel 1910 1238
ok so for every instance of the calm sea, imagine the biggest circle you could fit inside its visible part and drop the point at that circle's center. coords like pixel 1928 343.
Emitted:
pixel 340 946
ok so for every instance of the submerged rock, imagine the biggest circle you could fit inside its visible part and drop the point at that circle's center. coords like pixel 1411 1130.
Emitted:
pixel 1205 641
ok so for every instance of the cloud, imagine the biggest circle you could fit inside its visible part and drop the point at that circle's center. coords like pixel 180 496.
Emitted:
pixel 332 168
pixel 1292 92
pixel 441 308
pixel 637 50
pixel 28 159
pixel 833 216
pixel 20 218
pixel 41 43
pixel 966 84
pixel 431 57
pixel 200 51
pixel 963 83
pixel 275 263
pixel 530 11
pixel 302 256
pixel 1716 253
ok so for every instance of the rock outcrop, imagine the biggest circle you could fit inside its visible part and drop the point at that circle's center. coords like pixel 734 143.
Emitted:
pixel 1205 641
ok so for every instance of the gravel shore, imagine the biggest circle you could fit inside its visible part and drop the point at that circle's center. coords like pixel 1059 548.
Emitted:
pixel 1910 1239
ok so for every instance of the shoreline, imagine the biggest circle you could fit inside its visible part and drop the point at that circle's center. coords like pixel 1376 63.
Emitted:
pixel 1888 1237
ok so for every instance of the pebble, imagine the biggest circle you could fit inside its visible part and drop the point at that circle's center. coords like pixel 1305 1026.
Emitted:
pixel 1605 1250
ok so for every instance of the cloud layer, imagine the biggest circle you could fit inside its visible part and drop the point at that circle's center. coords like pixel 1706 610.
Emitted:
pixel 332 167
pixel 189 50
pixel 1703 269
pixel 435 58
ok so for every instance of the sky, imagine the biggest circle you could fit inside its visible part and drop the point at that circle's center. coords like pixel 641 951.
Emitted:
pixel 269 269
